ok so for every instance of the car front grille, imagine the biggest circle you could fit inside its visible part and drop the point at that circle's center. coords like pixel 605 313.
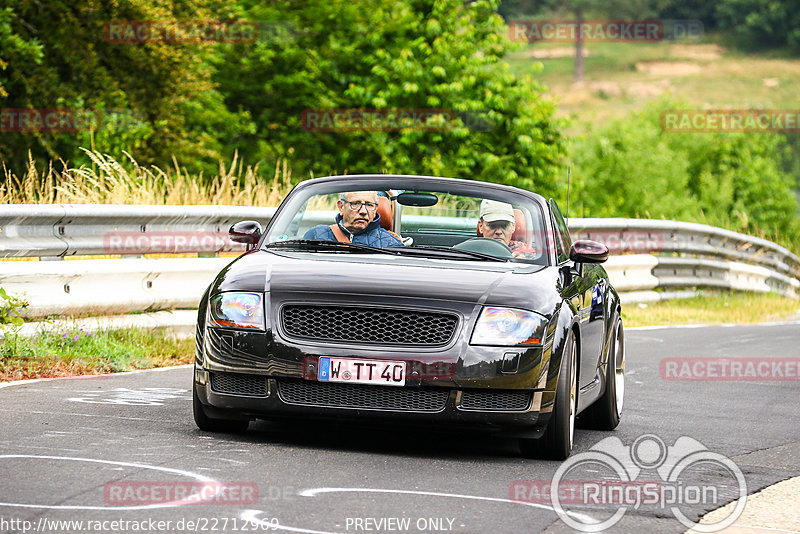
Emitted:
pixel 239 384
pixel 388 398
pixel 496 401
pixel 368 325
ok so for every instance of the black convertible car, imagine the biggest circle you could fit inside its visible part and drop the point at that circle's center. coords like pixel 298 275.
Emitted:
pixel 413 298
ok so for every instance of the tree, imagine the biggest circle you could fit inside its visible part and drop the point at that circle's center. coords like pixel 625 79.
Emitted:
pixel 55 56
pixel 627 168
pixel 762 23
pixel 403 54
pixel 632 168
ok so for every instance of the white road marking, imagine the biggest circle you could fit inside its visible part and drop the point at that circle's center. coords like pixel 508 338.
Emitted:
pixel 38 412
pixel 38 447
pixel 89 377
pixel 316 491
pixel 131 397
pixel 200 478
pixel 252 515
pixel 726 325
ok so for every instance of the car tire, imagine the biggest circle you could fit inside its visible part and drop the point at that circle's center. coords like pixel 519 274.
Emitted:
pixel 556 443
pixel 606 411
pixel 211 424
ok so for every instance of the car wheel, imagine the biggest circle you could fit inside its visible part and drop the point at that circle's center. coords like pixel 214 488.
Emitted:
pixel 556 443
pixel 210 424
pixel 605 413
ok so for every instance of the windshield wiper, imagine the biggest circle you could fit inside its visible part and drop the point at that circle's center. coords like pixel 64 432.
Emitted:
pixel 426 250
pixel 319 245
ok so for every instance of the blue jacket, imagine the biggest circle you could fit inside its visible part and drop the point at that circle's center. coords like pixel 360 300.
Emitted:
pixel 373 235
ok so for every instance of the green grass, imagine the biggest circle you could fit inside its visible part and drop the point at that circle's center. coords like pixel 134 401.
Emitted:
pixel 603 58
pixel 623 78
pixel 614 86
pixel 713 307
pixel 79 352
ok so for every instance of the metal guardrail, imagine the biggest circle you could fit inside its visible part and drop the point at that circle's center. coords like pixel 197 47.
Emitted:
pixel 62 230
pixel 674 237
pixel 652 254
pixel 109 286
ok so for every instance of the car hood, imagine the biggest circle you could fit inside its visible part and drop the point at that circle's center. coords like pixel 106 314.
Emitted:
pixel 478 282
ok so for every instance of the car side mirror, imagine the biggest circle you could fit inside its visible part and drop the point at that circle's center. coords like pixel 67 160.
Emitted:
pixel 588 251
pixel 247 232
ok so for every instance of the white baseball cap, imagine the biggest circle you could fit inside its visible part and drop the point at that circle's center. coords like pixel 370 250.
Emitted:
pixel 492 210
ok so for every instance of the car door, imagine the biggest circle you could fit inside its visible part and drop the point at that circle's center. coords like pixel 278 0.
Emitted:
pixel 589 288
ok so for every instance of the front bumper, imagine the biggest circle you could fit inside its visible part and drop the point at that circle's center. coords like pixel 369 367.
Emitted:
pixel 470 385
pixel 511 413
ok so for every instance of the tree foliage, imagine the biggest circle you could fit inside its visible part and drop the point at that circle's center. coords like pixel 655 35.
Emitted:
pixel 632 168
pixel 199 103
pixel 762 23
pixel 55 56
pixel 419 54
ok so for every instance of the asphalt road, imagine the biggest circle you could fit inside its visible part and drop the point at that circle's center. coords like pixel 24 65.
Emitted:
pixel 107 451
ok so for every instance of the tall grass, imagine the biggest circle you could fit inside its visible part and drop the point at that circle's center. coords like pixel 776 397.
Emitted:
pixel 714 307
pixel 107 181
pixel 69 351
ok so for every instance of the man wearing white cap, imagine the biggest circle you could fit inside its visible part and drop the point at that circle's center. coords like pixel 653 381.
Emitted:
pixel 498 222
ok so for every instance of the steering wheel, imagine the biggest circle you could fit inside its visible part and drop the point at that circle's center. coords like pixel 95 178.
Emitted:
pixel 486 245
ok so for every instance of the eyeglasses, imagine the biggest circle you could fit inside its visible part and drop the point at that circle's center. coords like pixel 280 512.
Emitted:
pixel 503 225
pixel 356 205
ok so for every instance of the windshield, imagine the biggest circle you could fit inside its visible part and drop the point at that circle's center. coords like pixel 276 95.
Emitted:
pixel 437 221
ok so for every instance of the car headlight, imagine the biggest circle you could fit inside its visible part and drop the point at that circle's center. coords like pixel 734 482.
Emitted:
pixel 508 326
pixel 241 310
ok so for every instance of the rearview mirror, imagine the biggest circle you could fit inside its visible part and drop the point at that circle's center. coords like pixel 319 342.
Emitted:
pixel 417 199
pixel 588 251
pixel 247 232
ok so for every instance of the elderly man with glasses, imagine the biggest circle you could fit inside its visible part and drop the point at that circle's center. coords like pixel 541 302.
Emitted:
pixel 358 222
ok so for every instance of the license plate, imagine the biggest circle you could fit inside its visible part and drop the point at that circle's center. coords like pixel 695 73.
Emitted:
pixel 358 371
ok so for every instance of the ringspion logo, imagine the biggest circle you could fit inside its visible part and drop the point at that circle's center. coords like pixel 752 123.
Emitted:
pixel 611 478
